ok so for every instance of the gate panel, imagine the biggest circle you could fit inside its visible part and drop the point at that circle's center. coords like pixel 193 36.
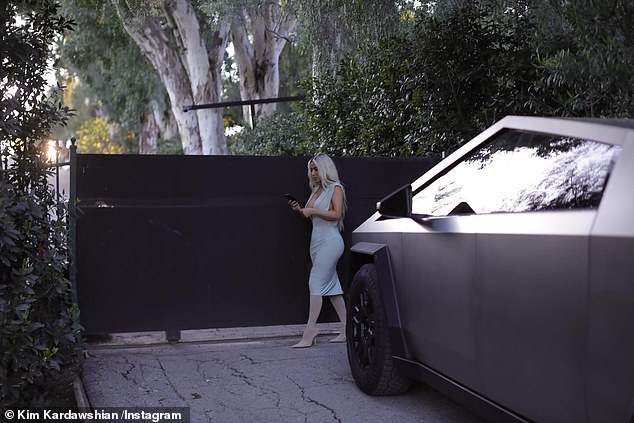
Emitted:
pixel 192 242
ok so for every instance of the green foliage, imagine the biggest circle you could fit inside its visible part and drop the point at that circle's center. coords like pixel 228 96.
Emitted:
pixel 170 146
pixel 112 72
pixel 338 27
pixel 429 90
pixel 584 57
pixel 281 134
pixel 39 329
pixel 108 62
pixel 424 92
pixel 94 137
pixel 294 67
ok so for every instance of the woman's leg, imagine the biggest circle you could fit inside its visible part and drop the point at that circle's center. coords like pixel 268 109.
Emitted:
pixel 340 308
pixel 310 332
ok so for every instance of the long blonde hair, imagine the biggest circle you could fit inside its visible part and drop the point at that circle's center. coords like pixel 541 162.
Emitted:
pixel 328 175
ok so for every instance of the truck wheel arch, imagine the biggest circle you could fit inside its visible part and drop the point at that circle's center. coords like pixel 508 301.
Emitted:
pixel 378 254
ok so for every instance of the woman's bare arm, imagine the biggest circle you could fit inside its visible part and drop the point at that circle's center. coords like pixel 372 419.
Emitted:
pixel 335 210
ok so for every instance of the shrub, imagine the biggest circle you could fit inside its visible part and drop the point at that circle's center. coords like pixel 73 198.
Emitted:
pixel 427 91
pixel 281 134
pixel 39 329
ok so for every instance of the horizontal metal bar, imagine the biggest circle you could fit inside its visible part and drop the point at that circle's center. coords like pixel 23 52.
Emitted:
pixel 243 102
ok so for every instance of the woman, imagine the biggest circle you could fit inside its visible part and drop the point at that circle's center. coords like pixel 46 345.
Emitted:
pixel 326 208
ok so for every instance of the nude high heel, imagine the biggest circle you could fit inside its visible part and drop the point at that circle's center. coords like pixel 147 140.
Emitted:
pixel 307 340
pixel 339 338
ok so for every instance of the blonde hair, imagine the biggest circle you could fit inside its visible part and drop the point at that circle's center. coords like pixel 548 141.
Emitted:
pixel 327 171
pixel 328 175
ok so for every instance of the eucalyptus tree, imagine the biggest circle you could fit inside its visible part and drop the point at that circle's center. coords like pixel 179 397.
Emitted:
pixel 113 75
pixel 330 30
pixel 187 53
pixel 259 32
pixel 339 27
pixel 185 41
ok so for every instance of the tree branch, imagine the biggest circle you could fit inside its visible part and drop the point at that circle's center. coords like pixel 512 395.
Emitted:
pixel 290 38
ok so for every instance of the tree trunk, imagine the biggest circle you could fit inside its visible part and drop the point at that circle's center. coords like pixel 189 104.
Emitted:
pixel 205 80
pixel 148 137
pixel 157 124
pixel 258 36
pixel 165 121
pixel 181 61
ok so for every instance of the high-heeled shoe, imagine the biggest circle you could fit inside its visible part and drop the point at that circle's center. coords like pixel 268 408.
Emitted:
pixel 307 340
pixel 339 338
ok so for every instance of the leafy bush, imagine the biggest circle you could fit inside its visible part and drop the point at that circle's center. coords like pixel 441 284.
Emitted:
pixel 39 329
pixel 584 59
pixel 427 91
pixel 431 89
pixel 281 134
pixel 94 137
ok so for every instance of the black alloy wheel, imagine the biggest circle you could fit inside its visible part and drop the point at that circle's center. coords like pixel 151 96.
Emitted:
pixel 369 351
pixel 363 327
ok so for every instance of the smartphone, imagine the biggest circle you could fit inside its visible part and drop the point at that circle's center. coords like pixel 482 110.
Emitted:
pixel 290 197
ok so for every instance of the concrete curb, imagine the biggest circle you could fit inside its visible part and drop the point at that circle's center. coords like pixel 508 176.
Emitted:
pixel 80 393
pixel 80 396
pixel 224 335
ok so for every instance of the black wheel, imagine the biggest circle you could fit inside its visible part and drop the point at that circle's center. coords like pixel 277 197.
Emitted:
pixel 369 351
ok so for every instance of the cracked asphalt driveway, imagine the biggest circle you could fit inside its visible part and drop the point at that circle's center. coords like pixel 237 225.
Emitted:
pixel 255 381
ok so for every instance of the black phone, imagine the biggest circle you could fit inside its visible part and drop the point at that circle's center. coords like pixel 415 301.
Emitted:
pixel 290 197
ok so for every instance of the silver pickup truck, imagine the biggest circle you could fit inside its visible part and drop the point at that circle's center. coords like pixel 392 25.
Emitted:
pixel 504 276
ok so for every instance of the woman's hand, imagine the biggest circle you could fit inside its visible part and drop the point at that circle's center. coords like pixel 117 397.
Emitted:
pixel 307 212
pixel 294 205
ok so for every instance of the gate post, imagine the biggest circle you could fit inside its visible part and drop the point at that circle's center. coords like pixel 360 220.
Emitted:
pixel 173 335
pixel 72 220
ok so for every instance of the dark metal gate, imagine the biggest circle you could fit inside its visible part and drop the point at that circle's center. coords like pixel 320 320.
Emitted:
pixel 191 242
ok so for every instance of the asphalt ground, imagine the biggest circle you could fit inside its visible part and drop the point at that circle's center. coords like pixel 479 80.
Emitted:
pixel 248 375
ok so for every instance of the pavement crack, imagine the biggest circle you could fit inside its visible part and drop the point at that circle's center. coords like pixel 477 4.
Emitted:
pixel 169 382
pixel 239 374
pixel 249 359
pixel 203 374
pixel 307 398
pixel 126 373
pixel 264 390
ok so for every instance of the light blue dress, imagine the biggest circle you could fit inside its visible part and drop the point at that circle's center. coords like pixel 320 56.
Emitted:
pixel 326 247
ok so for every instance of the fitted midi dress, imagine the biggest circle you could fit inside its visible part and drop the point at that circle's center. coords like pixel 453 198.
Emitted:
pixel 326 247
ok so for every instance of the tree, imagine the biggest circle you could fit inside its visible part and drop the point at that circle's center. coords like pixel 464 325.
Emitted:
pixel 427 90
pixel 329 29
pixel 278 135
pixel 584 58
pixel 295 69
pixel 339 27
pixel 281 134
pixel 259 33
pixel 184 41
pixel 188 59
pixel 94 137
pixel 39 328
pixel 107 68
pixel 464 66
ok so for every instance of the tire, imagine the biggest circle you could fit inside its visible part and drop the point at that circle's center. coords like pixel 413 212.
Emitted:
pixel 369 351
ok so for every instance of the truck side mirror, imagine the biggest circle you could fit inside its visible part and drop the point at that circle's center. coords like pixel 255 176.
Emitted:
pixel 397 204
